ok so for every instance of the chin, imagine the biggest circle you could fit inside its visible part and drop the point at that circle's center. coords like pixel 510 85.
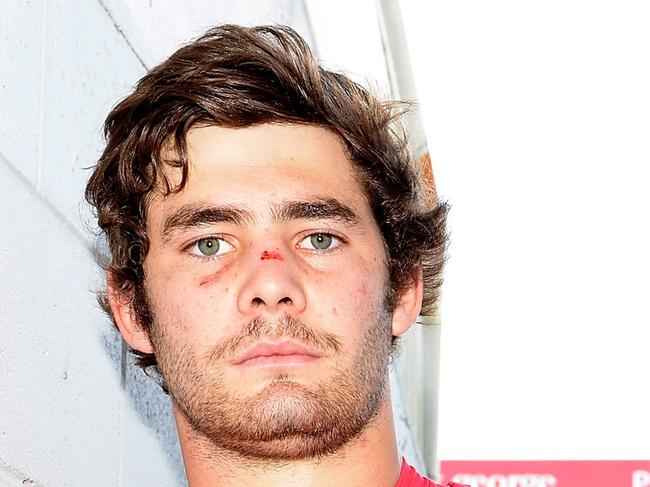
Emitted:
pixel 286 408
pixel 289 449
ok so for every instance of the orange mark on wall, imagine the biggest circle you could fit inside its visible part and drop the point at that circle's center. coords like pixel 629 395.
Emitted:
pixel 429 183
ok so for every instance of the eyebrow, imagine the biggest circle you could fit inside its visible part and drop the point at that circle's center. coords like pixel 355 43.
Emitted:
pixel 193 215
pixel 317 209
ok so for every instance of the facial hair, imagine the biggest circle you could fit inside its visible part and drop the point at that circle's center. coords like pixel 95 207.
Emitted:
pixel 286 420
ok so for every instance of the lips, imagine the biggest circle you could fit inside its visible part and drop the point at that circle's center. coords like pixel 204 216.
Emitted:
pixel 278 353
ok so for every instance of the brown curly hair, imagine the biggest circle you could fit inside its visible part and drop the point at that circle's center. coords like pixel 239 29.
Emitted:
pixel 235 76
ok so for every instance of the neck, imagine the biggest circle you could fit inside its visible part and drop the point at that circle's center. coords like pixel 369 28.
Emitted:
pixel 370 459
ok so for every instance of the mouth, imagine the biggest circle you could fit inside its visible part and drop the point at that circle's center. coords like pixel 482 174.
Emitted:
pixel 277 354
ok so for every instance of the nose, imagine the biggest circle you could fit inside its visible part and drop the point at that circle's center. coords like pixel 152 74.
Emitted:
pixel 272 285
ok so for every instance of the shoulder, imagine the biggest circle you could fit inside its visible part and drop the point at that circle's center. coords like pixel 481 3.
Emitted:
pixel 409 477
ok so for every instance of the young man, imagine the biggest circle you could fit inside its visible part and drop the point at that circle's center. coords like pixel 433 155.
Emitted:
pixel 270 240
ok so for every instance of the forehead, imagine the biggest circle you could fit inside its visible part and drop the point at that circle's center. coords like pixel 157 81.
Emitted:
pixel 264 164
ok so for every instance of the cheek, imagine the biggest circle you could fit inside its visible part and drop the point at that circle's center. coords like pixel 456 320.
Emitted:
pixel 171 283
pixel 213 275
pixel 358 287
pixel 362 289
pixel 347 304
pixel 209 279
pixel 167 293
pixel 180 302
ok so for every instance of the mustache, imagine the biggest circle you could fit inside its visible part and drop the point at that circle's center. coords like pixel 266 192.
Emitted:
pixel 284 327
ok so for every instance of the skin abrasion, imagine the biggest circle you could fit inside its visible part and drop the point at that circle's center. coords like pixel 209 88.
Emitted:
pixel 271 255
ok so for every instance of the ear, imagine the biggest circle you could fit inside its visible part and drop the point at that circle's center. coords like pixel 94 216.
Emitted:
pixel 126 318
pixel 408 306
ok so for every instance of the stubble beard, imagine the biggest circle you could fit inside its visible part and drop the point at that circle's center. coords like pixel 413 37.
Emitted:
pixel 287 420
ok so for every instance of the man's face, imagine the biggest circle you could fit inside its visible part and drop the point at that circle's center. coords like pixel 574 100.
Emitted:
pixel 267 280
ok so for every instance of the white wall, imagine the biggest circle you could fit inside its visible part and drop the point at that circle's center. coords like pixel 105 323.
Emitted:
pixel 73 409
pixel 538 120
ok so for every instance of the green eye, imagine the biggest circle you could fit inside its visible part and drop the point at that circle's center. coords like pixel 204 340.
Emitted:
pixel 212 247
pixel 321 241
pixel 208 246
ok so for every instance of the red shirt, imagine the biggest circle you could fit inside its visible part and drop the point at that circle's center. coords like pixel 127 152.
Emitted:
pixel 409 477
